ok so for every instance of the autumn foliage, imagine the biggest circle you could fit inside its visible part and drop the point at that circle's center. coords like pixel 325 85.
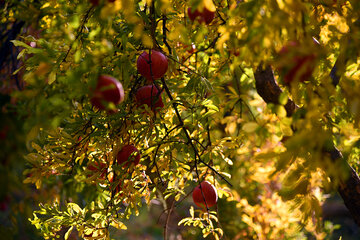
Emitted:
pixel 153 109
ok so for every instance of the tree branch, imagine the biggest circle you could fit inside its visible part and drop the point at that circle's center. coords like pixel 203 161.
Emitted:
pixel 349 188
pixel 269 90
pixel 190 140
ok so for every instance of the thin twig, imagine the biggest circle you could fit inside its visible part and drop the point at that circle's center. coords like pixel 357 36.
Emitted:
pixel 197 155
pixel 164 18
pixel 82 26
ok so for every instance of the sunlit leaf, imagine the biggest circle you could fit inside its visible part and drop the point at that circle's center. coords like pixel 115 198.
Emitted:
pixel 250 127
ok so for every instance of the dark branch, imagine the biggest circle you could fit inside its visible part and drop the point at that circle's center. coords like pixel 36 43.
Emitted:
pixel 269 90
pixel 190 140
pixel 349 188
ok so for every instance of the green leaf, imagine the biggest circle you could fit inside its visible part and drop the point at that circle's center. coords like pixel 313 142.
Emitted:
pixel 283 98
pixel 18 43
pixel 209 104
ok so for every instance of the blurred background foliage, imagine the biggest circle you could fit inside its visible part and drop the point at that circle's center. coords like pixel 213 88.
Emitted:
pixel 281 181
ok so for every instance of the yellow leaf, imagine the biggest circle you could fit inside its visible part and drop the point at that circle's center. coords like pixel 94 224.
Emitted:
pixel 117 224
pixel 287 131
pixel 250 127
pixel 51 78
pixel 74 207
pixel 38 184
pixel 67 234
pixel 280 111
pixel 225 36
pixel 192 211
pixel 47 4
pixel 283 98
pixel 228 161
pixel 209 5
pixel 36 147
pixel 147 41
pixel 149 150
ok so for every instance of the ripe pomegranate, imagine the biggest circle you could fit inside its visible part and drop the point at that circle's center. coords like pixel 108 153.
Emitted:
pixel 204 16
pixel 108 89
pixel 206 192
pixel 128 154
pixel 296 64
pixel 150 96
pixel 97 167
pixel 154 69
pixel 95 2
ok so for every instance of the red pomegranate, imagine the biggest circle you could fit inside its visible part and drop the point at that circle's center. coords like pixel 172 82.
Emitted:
pixel 128 154
pixel 204 16
pixel 98 167
pixel 95 2
pixel 296 64
pixel 206 193
pixel 154 69
pixel 150 96
pixel 108 89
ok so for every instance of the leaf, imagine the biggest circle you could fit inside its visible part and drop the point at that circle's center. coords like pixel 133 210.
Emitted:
pixel 208 103
pixel 38 184
pixel 208 113
pixel 67 234
pixel 283 98
pixel 228 161
pixel 29 49
pixel 77 56
pixel 148 151
pixel 18 70
pixel 147 41
pixel 250 127
pixel 94 32
pixel 118 225
pixel 184 221
pixel 280 111
pixel 74 207
pixel 36 147
pixel 18 43
pixel 210 5
pixel 32 134
pixel 192 211
pixel 231 89
pixel 20 55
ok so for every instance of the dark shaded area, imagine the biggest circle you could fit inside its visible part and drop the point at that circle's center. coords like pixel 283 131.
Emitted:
pixel 335 211
pixel 16 198
pixel 8 53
